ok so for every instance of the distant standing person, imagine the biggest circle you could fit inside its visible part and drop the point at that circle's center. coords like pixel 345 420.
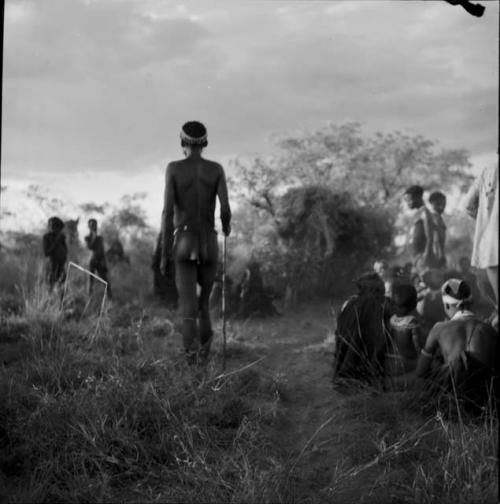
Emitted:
pixel 192 186
pixel 482 205
pixel 55 248
pixel 97 265
pixel 419 238
pixel 437 231
pixel 428 231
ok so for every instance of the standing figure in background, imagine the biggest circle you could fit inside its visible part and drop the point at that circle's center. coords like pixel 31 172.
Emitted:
pixel 437 230
pixel 97 265
pixel 482 205
pixel 115 253
pixel 420 233
pixel 55 248
pixel 189 238
pixel 254 299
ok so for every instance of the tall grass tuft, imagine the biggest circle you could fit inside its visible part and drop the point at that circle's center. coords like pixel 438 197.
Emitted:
pixel 96 424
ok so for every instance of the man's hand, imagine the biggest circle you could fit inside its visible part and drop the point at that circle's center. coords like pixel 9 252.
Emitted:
pixel 164 264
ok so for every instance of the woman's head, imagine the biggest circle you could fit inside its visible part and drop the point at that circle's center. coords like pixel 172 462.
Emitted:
pixel 404 299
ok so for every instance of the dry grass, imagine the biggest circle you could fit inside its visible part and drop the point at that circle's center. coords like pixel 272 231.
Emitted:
pixel 119 416
pixel 108 423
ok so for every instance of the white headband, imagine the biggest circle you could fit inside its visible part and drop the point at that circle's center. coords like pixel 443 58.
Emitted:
pixel 193 140
pixel 447 299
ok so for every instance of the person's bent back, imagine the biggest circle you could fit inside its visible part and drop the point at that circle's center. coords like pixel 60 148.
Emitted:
pixel 468 347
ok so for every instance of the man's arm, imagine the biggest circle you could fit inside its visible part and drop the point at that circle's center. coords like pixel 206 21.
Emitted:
pixel 90 240
pixel 416 337
pixel 427 353
pixel 225 210
pixel 167 217
pixel 99 247
pixel 429 237
pixel 48 246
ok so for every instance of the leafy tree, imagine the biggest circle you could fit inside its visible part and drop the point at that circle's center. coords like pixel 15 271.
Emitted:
pixel 374 169
pixel 93 208
pixel 328 200
pixel 41 196
pixel 128 218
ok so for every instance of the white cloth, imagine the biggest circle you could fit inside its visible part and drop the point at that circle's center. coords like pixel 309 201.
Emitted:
pixel 482 200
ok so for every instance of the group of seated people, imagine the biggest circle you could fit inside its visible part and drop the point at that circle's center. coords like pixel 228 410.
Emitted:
pixel 248 297
pixel 418 331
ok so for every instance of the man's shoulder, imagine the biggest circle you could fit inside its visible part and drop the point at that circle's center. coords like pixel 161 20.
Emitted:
pixel 214 165
pixel 464 324
pixel 179 164
pixel 174 165
pixel 438 327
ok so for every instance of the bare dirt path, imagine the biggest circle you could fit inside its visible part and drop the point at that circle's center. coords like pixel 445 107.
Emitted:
pixel 315 429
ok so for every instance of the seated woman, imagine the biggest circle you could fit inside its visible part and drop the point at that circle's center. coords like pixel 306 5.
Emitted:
pixel 407 336
pixel 360 336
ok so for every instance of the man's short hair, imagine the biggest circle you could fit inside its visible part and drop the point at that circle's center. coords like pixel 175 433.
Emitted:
pixel 415 191
pixel 56 223
pixel 92 220
pixel 436 197
pixel 194 133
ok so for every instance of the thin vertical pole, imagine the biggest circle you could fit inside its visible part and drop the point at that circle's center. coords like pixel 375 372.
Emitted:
pixel 224 303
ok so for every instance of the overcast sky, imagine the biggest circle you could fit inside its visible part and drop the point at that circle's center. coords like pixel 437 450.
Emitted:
pixel 95 91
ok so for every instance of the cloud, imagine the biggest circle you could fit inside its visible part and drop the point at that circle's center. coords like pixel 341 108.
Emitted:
pixel 79 40
pixel 91 85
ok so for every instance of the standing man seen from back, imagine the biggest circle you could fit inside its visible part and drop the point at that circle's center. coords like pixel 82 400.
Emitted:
pixel 189 238
pixel 437 201
pixel 421 246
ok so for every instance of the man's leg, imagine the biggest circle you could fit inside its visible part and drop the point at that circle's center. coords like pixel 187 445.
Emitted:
pixel 206 278
pixel 92 269
pixel 185 279
pixel 51 274
pixel 102 271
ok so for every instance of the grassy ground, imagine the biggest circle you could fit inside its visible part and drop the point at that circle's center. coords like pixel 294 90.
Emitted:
pixel 105 409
